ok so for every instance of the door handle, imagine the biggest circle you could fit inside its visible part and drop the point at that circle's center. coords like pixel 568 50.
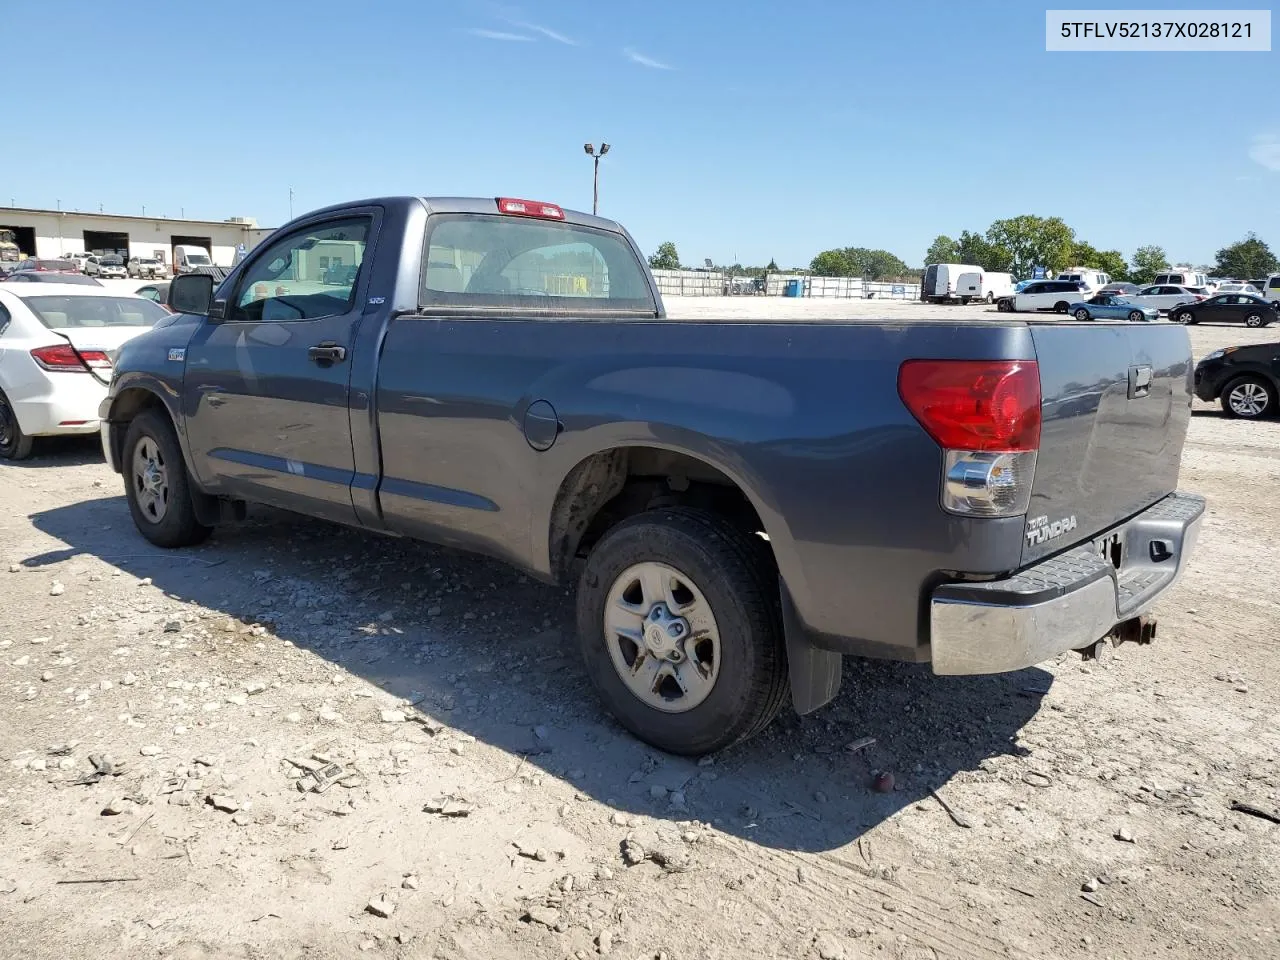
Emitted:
pixel 327 353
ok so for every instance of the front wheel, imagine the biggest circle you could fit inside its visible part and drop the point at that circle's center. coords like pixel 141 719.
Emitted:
pixel 1136 316
pixel 681 630
pixel 1248 398
pixel 1082 314
pixel 1185 316
pixel 991 297
pixel 1061 306
pixel 14 444
pixel 157 485
pixel 1254 320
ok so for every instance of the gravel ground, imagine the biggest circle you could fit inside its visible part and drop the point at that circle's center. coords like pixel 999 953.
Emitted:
pixel 168 722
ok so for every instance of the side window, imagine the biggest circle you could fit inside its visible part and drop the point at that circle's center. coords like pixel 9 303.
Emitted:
pixel 290 280
pixel 524 262
pixel 4 319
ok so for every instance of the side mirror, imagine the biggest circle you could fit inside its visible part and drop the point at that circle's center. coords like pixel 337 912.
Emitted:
pixel 191 293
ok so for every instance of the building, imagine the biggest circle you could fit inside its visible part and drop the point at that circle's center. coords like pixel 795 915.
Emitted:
pixel 55 233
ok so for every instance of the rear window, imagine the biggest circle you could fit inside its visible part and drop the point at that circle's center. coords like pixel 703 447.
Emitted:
pixel 518 263
pixel 74 313
pixel 55 265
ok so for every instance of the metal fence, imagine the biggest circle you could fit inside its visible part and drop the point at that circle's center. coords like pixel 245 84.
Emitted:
pixel 699 283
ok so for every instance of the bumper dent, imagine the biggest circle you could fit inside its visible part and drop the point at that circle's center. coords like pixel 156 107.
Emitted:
pixel 1067 602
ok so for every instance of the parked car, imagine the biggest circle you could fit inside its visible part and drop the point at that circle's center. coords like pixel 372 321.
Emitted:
pixel 1248 288
pixel 1091 281
pixel 155 292
pixel 1055 295
pixel 983 285
pixel 1120 287
pixel 1181 277
pixel 79 259
pixel 719 558
pixel 109 267
pixel 1164 297
pixel 36 265
pixel 45 389
pixel 1108 306
pixel 146 267
pixel 31 276
pixel 941 281
pixel 1270 289
pixel 1227 308
pixel 1243 379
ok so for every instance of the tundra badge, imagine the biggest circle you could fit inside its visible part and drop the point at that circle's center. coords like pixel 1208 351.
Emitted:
pixel 1040 530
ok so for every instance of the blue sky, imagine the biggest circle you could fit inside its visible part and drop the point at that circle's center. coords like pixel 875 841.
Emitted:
pixel 747 130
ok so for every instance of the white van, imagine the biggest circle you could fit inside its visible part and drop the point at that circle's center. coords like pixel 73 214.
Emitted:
pixel 1272 290
pixel 984 286
pixel 1090 280
pixel 941 281
pixel 187 258
pixel 1181 277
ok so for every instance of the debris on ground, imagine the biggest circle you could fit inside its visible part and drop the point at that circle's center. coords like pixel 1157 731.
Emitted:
pixel 103 766
pixel 449 807
pixel 380 906
pixel 1255 811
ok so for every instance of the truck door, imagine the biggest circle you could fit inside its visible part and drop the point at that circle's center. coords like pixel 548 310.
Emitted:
pixel 267 383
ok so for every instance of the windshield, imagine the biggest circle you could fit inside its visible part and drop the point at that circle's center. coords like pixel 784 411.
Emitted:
pixel 111 261
pixel 198 260
pixel 75 313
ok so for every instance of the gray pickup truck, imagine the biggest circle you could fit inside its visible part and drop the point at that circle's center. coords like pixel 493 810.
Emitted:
pixel 740 503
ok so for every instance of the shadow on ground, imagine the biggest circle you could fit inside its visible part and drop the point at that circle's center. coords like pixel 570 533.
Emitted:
pixel 61 452
pixel 492 653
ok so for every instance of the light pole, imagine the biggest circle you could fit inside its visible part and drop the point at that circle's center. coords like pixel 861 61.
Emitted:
pixel 595 180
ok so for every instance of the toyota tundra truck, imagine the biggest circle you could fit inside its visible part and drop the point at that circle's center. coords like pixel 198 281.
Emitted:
pixel 740 504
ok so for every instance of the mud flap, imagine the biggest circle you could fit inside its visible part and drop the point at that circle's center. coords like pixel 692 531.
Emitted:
pixel 815 673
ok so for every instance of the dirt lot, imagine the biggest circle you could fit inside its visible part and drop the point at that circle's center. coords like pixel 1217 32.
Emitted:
pixel 159 713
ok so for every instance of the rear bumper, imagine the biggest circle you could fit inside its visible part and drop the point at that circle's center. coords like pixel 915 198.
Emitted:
pixel 66 406
pixel 1067 602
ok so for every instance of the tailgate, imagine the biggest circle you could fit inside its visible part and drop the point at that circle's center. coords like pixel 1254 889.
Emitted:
pixel 1116 404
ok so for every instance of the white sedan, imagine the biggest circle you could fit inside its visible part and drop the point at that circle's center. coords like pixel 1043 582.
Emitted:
pixel 1164 297
pixel 1248 288
pixel 46 389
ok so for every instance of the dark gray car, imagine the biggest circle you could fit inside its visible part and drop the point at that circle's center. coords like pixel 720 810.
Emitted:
pixel 738 504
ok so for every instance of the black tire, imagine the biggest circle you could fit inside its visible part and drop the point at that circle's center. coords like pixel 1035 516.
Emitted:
pixel 1136 316
pixel 1082 314
pixel 1061 306
pixel 1255 320
pixel 177 526
pixel 991 298
pixel 1268 409
pixel 735 572
pixel 14 444
pixel 1004 306
pixel 1184 316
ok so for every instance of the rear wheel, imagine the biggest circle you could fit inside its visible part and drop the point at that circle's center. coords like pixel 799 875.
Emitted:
pixel 157 485
pixel 1082 314
pixel 681 630
pixel 1248 398
pixel 1061 306
pixel 1254 320
pixel 14 444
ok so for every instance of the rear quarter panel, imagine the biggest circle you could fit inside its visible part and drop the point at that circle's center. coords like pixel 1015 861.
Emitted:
pixel 806 418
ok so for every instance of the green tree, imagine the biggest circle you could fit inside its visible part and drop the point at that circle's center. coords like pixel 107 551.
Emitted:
pixel 1147 262
pixel 831 263
pixel 1033 241
pixel 1246 259
pixel 666 258
pixel 973 248
pixel 942 250
pixel 1110 262
pixel 772 267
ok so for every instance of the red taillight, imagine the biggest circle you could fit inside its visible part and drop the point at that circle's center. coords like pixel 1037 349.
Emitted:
pixel 60 358
pixel 529 208
pixel 980 405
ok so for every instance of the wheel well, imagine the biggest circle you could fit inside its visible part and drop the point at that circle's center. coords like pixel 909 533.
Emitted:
pixel 127 405
pixel 610 486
